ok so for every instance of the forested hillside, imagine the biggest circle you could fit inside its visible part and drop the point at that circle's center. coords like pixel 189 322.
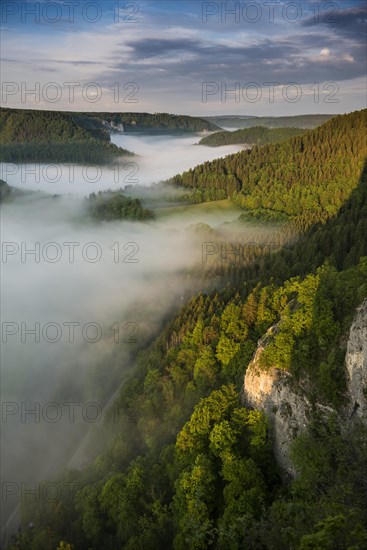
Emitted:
pixel 257 135
pixel 341 241
pixel 32 126
pixel 54 136
pixel 154 121
pixel 51 136
pixel 296 121
pixel 306 178
pixel 189 466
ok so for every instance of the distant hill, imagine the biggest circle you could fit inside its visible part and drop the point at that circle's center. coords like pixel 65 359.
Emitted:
pixel 297 121
pixel 138 122
pixel 52 136
pixel 257 135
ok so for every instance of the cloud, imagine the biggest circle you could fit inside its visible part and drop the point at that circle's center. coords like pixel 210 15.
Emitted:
pixel 350 22
pixel 170 52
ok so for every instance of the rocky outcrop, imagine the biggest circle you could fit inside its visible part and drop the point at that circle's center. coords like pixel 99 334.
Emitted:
pixel 270 391
pixel 113 127
pixel 356 364
pixel 288 410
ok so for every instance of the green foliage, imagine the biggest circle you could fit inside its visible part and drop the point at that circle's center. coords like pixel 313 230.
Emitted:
pixel 295 121
pixel 114 205
pixel 78 152
pixel 192 467
pixel 198 196
pixel 307 177
pixel 335 533
pixel 221 449
pixel 256 135
pixel 154 121
pixel 52 136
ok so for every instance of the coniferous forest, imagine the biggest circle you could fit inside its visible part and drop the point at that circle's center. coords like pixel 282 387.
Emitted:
pixel 306 178
pixel 183 203
pixel 257 135
pixel 189 464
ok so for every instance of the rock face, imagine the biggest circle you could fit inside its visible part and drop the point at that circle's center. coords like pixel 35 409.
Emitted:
pixel 356 363
pixel 272 391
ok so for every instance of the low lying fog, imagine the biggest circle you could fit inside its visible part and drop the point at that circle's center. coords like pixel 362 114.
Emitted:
pixel 157 158
pixel 60 302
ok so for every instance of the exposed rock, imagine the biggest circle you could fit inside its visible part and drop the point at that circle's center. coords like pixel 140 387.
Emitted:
pixel 356 363
pixel 271 391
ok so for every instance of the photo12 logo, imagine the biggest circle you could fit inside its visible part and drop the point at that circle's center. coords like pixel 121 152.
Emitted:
pixel 270 11
pixel 69 412
pixel 253 92
pixel 48 491
pixel 122 172
pixel 69 12
pixel 236 251
pixel 71 92
pixel 68 251
pixel 52 332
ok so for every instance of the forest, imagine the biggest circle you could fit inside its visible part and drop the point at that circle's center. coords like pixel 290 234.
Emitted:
pixel 295 121
pixel 256 135
pixel 156 121
pixel 115 205
pixel 52 136
pixel 306 178
pixel 189 465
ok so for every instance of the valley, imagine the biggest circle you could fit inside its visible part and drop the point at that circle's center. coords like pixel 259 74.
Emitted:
pixel 167 311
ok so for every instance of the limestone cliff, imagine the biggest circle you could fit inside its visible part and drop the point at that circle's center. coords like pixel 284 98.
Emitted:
pixel 288 409
pixel 356 363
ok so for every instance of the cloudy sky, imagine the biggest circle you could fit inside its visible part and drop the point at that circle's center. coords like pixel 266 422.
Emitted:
pixel 185 56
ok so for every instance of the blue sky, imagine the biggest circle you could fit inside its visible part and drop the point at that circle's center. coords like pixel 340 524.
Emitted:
pixel 190 56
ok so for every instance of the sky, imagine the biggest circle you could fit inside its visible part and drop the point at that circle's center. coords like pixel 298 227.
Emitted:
pixel 185 56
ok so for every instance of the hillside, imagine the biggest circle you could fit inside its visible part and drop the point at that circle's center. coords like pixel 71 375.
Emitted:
pixel 297 121
pixel 190 465
pixel 256 135
pixel 135 122
pixel 306 178
pixel 52 136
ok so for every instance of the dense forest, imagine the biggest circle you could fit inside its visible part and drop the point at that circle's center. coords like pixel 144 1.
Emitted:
pixel 156 121
pixel 306 178
pixel 256 135
pixel 91 152
pixel 52 136
pixel 189 465
pixel 115 205
pixel 296 121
